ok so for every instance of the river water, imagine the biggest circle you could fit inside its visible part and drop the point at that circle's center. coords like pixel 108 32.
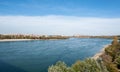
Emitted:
pixel 38 55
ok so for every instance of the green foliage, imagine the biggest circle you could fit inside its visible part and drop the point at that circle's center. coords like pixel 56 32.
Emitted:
pixel 111 67
pixel 88 65
pixel 60 67
pixel 113 51
pixel 118 60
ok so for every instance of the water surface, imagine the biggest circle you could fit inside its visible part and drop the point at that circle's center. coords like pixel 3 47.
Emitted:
pixel 38 55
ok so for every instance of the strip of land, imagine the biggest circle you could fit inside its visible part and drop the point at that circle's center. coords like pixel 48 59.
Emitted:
pixel 20 36
pixel 7 40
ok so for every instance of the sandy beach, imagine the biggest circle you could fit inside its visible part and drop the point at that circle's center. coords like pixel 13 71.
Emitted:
pixel 7 40
pixel 96 56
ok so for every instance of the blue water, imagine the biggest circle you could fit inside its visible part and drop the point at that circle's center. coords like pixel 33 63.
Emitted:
pixel 38 55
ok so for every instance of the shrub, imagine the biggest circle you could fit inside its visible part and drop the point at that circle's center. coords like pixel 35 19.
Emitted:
pixel 117 61
pixel 111 67
pixel 88 65
pixel 60 67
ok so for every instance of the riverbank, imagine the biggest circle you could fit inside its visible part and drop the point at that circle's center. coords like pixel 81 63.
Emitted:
pixel 7 40
pixel 96 56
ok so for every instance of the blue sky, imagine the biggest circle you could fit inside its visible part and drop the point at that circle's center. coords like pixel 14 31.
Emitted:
pixel 97 8
pixel 65 17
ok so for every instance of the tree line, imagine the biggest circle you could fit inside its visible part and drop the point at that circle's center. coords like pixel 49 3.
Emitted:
pixel 32 37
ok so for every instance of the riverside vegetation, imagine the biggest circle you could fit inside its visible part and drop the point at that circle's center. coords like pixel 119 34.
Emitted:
pixel 109 61
pixel 20 36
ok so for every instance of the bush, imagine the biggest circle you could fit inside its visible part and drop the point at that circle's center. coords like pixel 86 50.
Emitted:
pixel 111 67
pixel 117 61
pixel 60 67
pixel 88 65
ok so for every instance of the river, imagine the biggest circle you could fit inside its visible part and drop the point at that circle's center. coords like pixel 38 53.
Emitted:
pixel 38 55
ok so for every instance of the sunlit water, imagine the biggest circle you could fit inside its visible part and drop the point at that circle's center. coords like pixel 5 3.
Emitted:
pixel 38 55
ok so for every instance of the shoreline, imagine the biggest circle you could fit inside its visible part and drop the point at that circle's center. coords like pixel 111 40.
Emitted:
pixel 102 51
pixel 11 40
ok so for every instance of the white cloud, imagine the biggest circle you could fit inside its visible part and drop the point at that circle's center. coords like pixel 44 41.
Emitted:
pixel 52 24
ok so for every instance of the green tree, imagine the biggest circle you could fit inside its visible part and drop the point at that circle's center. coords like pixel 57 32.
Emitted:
pixel 88 65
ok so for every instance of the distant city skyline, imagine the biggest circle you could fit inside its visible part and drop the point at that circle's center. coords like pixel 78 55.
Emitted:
pixel 60 17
